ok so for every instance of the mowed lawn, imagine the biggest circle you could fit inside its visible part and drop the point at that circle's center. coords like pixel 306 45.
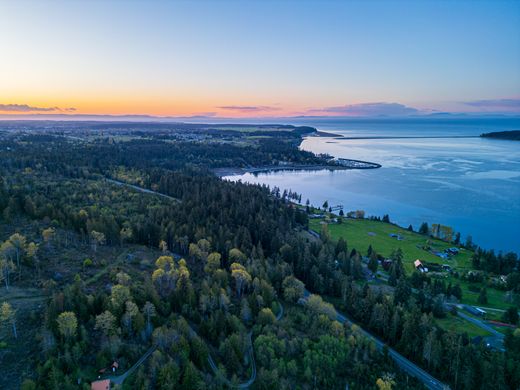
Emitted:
pixel 360 233
pixel 496 298
pixel 458 324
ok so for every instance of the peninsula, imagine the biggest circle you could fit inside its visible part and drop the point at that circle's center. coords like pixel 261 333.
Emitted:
pixel 513 135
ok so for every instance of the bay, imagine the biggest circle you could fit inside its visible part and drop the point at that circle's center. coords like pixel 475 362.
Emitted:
pixel 471 184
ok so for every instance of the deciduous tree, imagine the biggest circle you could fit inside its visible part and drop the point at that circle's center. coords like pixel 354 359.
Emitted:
pixel 212 262
pixel 48 235
pixel 241 276
pixel 293 289
pixel 67 324
pixel 19 243
pixel 96 239
pixel 8 316
pixel 105 322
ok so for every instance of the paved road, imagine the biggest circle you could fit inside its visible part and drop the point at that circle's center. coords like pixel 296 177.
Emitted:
pixel 481 324
pixel 492 309
pixel 250 351
pixel 118 380
pixel 406 365
pixel 496 340
pixel 141 189
pixel 218 373
pixel 314 233
pixel 243 385
pixel 280 313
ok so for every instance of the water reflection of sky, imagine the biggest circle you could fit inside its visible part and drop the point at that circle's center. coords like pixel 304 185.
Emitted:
pixel 472 184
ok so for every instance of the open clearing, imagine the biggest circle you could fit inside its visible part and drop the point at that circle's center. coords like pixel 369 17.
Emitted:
pixel 360 233
pixel 29 304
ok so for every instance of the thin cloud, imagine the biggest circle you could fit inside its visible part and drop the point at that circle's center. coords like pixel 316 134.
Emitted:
pixel 495 104
pixel 248 108
pixel 367 109
pixel 203 115
pixel 28 108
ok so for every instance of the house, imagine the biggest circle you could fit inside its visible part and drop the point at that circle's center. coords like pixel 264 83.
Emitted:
pixel 453 251
pixel 114 366
pixel 387 263
pixel 100 385
pixel 475 310
pixel 446 267
pixel 419 266
pixel 441 255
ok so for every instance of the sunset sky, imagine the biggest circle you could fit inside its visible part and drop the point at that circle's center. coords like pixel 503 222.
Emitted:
pixel 259 59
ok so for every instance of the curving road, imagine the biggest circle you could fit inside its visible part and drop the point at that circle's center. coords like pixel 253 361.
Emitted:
pixel 406 365
pixel 118 380
pixel 140 189
pixel 250 351
pixel 280 313
pixel 496 340
pixel 243 385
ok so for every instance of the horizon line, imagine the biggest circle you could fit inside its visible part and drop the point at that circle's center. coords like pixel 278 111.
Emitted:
pixel 169 118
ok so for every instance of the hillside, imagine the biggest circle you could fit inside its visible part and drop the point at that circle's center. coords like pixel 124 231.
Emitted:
pixel 124 257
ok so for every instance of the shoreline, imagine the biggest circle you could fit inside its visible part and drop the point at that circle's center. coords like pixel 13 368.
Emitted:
pixel 345 164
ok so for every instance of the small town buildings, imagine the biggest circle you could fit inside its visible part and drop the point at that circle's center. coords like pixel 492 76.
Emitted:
pixel 114 366
pixel 387 263
pixel 419 266
pixel 453 251
pixel 476 311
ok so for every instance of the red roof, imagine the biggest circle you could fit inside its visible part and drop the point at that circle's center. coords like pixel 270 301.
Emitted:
pixel 100 385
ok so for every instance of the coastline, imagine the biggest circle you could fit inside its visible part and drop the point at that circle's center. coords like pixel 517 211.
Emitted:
pixel 342 165
pixel 338 164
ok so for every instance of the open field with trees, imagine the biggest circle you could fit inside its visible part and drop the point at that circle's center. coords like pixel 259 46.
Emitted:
pixel 360 233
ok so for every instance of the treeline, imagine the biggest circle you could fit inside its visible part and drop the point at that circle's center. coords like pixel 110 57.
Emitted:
pixel 501 264
pixel 60 154
pixel 513 135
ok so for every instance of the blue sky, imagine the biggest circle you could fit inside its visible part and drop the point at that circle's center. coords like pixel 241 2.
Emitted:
pixel 269 58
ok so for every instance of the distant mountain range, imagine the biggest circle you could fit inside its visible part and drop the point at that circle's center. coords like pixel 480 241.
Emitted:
pixel 217 119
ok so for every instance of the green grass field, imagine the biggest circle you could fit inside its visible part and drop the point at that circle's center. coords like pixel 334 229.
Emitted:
pixel 360 233
pixel 458 324
pixel 356 233
pixel 496 298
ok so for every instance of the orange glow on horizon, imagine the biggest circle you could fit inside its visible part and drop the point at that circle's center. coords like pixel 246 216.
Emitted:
pixel 132 105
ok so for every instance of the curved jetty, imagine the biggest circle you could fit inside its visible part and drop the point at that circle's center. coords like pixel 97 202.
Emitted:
pixel 355 164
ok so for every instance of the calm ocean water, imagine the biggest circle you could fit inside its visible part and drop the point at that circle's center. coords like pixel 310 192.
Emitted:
pixel 470 184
